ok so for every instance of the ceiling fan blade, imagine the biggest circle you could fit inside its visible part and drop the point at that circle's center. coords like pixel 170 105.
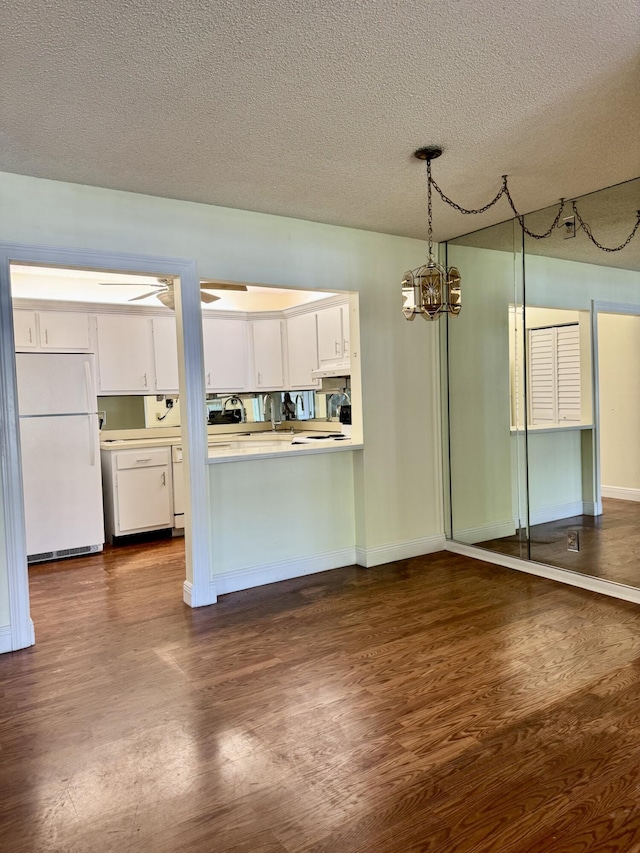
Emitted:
pixel 207 284
pixel 145 295
pixel 208 297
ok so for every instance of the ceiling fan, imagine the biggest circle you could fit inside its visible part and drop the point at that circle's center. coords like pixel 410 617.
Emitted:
pixel 166 296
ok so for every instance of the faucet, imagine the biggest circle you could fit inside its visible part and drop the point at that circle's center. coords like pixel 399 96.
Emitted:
pixel 236 401
pixel 301 398
pixel 268 403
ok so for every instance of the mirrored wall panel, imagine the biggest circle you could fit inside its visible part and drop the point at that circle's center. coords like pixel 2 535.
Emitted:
pixel 542 388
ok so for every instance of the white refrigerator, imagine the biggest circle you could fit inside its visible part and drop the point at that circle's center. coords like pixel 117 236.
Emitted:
pixel 59 438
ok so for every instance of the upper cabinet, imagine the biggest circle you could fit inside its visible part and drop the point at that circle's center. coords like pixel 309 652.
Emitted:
pixel 334 338
pixel 165 354
pixel 225 354
pixel 125 354
pixel 268 362
pixel 24 329
pixel 302 338
pixel 68 330
pixel 61 331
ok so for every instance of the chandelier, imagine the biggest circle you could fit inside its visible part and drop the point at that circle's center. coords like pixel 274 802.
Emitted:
pixel 432 290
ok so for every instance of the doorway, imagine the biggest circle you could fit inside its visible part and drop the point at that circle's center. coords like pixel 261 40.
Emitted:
pixel 19 631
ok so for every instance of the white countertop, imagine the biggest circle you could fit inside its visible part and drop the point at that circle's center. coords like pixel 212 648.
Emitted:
pixel 243 446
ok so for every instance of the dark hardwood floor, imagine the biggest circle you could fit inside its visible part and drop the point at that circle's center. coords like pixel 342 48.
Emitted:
pixel 436 704
pixel 609 543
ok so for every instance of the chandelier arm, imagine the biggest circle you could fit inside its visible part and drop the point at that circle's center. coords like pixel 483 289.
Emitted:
pixel 587 230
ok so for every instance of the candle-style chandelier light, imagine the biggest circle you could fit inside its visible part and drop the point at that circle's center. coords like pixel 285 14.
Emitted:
pixel 432 290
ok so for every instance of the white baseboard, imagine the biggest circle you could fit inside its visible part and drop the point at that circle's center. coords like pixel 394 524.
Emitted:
pixel 610 588
pixel 189 597
pixel 499 530
pixel 620 493
pixel 369 557
pixel 5 639
pixel 557 512
pixel 282 570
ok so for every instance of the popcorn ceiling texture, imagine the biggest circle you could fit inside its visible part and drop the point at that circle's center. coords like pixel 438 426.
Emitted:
pixel 312 109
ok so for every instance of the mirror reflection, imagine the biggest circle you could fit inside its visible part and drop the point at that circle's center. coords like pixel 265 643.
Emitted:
pixel 543 398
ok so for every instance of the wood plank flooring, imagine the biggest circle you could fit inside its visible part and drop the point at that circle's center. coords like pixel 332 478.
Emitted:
pixel 609 543
pixel 435 704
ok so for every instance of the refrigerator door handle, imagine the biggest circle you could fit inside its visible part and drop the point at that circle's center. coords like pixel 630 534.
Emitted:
pixel 92 442
pixel 89 387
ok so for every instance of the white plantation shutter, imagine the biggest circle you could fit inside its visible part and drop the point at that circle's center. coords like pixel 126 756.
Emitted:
pixel 554 375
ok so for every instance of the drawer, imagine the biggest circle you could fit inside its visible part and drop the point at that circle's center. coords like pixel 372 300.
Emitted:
pixel 143 458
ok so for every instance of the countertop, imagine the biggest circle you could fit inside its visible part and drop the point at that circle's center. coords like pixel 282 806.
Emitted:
pixel 243 446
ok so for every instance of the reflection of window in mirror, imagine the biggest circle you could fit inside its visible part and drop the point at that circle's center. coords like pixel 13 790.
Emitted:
pixel 554 374
pixel 556 344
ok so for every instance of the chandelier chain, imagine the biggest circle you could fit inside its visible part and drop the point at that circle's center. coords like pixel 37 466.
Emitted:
pixel 587 230
pixel 504 191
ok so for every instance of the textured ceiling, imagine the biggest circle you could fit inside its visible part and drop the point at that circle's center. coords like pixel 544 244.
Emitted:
pixel 312 108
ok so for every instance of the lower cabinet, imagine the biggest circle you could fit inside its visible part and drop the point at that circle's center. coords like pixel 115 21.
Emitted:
pixel 138 494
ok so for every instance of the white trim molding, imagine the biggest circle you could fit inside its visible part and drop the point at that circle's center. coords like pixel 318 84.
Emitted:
pixel 369 557
pixel 280 571
pixel 200 600
pixel 556 513
pixel 620 493
pixel 499 530
pixel 592 584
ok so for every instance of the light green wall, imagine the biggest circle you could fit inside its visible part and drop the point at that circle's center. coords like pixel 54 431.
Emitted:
pixel 397 477
pixel 290 509
pixel 479 395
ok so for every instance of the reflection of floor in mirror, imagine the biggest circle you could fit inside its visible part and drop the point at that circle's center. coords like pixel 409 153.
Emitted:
pixel 609 543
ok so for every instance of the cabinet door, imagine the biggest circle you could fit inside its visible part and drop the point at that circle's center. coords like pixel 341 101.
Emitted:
pixel 267 353
pixel 330 343
pixel 125 361
pixel 144 499
pixel 165 354
pixel 302 338
pixel 24 327
pixel 225 354
pixel 64 330
pixel 346 342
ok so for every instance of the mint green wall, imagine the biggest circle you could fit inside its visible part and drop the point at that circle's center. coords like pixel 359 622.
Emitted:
pixel 396 479
pixel 479 410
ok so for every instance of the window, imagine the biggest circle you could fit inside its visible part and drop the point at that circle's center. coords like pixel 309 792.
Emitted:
pixel 554 375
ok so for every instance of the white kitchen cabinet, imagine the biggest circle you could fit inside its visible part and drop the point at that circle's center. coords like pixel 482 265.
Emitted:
pixel 137 490
pixel 165 354
pixel 225 354
pixel 64 330
pixel 125 354
pixel 268 361
pixel 60 331
pixel 333 334
pixel 24 329
pixel 302 339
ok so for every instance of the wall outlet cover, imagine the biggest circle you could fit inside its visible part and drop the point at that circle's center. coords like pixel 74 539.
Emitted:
pixel 573 540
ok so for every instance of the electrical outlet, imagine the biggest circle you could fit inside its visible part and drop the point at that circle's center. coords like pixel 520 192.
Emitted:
pixel 573 540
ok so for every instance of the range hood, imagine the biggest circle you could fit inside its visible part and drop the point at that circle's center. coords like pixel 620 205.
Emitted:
pixel 337 369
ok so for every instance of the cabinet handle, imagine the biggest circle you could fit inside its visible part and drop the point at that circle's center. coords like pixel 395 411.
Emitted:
pixel 144 379
pixel 337 347
pixel 30 336
pixel 164 479
pixel 346 346
pixel 209 379
pixel 147 459
pixel 46 336
pixel 259 378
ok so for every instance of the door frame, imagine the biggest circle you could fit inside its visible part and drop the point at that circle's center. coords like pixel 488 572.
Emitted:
pixel 602 307
pixel 198 590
